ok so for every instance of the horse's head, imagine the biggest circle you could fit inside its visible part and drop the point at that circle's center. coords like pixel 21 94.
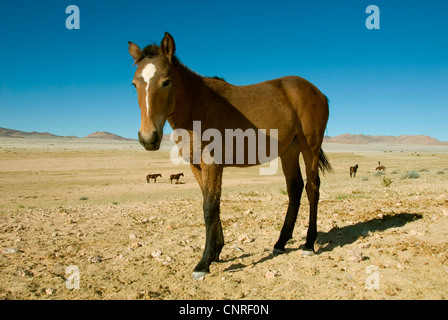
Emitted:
pixel 152 80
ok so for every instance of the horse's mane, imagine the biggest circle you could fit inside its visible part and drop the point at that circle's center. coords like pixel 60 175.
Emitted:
pixel 149 51
pixel 153 50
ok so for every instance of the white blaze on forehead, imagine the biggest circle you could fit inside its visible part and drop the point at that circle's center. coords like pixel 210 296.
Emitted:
pixel 148 72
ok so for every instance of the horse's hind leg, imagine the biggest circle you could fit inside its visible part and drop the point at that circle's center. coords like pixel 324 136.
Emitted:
pixel 294 185
pixel 311 158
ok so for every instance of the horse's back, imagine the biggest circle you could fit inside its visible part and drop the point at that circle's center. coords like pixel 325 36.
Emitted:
pixel 292 105
pixel 281 95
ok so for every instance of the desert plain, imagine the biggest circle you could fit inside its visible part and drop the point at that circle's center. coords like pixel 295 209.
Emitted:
pixel 86 203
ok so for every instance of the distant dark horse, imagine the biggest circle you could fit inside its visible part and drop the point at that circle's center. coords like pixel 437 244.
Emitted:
pixel 176 177
pixel 153 176
pixel 380 167
pixel 290 110
pixel 353 171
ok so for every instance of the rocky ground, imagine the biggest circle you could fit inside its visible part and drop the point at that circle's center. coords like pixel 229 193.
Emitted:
pixel 375 242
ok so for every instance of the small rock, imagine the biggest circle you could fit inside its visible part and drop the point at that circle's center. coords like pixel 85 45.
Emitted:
pixel 355 256
pixel 388 290
pixel 70 221
pixel 367 233
pixel 237 248
pixel 50 291
pixel 364 245
pixel 416 233
pixel 25 273
pixel 156 254
pixel 247 212
pixel 9 250
pixel 132 236
pixel 272 274
pixel 244 238
pixel 95 259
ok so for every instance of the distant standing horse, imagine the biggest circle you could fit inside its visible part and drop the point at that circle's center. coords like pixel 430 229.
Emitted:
pixel 353 171
pixel 380 167
pixel 168 90
pixel 153 176
pixel 175 177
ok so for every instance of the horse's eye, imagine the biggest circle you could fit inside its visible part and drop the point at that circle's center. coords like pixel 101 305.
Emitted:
pixel 166 83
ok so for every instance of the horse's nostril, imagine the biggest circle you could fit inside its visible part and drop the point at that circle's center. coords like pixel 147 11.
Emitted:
pixel 149 141
pixel 154 138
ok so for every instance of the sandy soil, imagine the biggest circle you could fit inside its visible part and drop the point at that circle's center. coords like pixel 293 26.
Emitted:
pixel 87 204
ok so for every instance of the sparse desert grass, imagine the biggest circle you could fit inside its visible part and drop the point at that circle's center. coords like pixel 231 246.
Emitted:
pixel 341 196
pixel 386 181
pixel 411 175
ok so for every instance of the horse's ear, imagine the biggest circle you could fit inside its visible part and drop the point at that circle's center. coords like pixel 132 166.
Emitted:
pixel 135 51
pixel 168 46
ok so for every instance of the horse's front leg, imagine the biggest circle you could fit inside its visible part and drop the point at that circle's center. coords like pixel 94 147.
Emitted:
pixel 211 179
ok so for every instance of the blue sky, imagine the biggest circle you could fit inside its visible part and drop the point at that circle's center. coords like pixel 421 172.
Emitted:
pixel 390 81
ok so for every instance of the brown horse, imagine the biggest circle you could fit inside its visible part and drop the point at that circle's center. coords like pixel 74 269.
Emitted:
pixel 153 176
pixel 168 90
pixel 353 171
pixel 176 177
pixel 380 167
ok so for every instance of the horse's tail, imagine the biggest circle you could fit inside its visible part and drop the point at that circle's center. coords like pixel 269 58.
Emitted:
pixel 324 163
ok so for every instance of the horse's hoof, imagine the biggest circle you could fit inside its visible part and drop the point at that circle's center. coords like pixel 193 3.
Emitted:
pixel 199 275
pixel 307 252
pixel 278 251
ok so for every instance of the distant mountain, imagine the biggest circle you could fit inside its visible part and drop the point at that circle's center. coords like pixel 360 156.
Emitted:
pixel 366 139
pixel 106 135
pixel 342 138
pixel 10 133
pixel 22 134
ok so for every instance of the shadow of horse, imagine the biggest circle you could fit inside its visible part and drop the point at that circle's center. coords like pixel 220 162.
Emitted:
pixel 339 237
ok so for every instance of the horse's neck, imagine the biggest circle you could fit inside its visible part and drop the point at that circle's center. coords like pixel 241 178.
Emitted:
pixel 191 96
pixel 188 86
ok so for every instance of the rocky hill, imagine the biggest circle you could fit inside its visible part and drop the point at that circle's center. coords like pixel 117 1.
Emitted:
pixel 367 139
pixel 105 135
pixel 11 133
pixel 22 134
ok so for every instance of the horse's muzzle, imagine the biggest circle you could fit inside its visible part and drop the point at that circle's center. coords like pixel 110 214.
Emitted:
pixel 150 141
